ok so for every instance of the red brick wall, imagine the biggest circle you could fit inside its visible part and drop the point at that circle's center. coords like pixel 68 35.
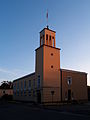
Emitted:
pixel 78 86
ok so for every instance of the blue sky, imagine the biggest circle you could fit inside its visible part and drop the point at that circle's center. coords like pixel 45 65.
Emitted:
pixel 20 24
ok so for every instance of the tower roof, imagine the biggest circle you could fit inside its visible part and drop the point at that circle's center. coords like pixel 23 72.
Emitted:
pixel 48 29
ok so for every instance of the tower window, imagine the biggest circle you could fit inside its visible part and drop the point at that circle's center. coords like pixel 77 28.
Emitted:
pixel 50 37
pixel 25 85
pixel 51 54
pixel 46 37
pixel 53 37
pixel 41 41
pixel 53 42
pixel 51 66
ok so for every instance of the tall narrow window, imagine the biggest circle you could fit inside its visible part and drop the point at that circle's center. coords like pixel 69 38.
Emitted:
pixel 14 89
pixel 25 85
pixel 25 88
pixel 34 87
pixel 46 39
pixel 18 88
pixel 34 84
pixel 21 88
pixel 38 82
pixel 46 36
pixel 29 87
pixel 53 42
pixel 50 37
pixel 29 84
pixel 50 41
pixel 21 85
pixel 42 41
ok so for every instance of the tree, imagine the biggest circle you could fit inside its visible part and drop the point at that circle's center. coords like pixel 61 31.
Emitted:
pixel 6 85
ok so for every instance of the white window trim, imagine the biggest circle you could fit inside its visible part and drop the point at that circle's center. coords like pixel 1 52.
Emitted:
pixel 69 78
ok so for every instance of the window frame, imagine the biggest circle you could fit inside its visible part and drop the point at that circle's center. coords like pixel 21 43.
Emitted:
pixel 69 80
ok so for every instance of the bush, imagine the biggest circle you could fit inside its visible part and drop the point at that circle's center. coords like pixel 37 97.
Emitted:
pixel 7 97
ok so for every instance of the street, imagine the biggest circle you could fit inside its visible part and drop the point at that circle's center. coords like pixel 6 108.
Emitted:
pixel 12 111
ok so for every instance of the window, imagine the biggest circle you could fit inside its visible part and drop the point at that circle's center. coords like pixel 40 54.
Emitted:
pixel 18 88
pixel 21 88
pixel 24 92
pixel 34 87
pixel 51 54
pixel 51 66
pixel 14 89
pixel 34 84
pixel 41 41
pixel 50 37
pixel 25 88
pixel 21 93
pixel 25 85
pixel 21 85
pixel 53 37
pixel 69 80
pixel 53 42
pixel 38 82
pixel 29 87
pixel 46 37
pixel 17 85
pixel 29 92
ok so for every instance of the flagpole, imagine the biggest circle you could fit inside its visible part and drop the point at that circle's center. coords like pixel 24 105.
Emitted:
pixel 47 18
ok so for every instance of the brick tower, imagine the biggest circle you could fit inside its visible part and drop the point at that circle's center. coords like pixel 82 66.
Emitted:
pixel 48 67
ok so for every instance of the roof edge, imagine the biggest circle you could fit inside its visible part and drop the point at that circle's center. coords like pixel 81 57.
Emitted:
pixel 68 70
pixel 47 46
pixel 24 76
pixel 47 29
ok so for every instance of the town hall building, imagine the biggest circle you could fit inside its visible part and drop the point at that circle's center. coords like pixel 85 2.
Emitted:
pixel 49 83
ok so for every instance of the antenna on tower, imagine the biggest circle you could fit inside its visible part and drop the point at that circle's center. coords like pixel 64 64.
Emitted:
pixel 47 19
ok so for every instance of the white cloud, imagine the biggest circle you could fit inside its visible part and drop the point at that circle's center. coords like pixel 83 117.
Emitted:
pixel 7 71
pixel 10 75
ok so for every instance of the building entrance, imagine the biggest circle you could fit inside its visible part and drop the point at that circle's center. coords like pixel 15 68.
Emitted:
pixel 69 95
pixel 38 97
